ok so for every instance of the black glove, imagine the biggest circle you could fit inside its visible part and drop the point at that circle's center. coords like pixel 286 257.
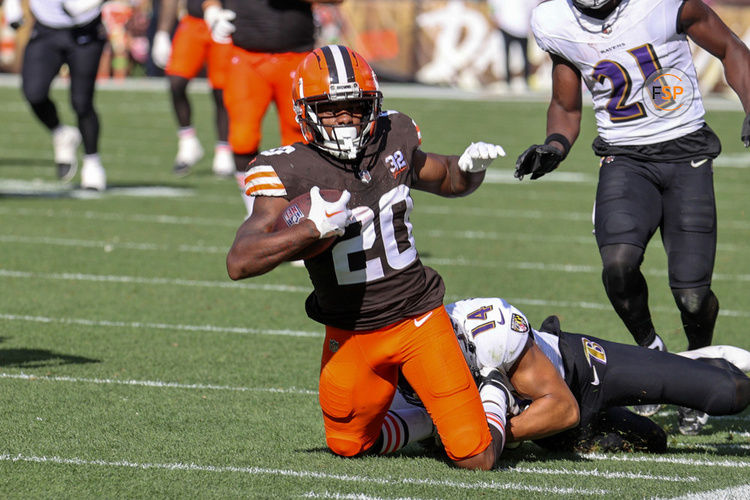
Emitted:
pixel 538 160
pixel 746 131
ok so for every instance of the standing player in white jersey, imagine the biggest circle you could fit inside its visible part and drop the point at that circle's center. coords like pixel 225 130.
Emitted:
pixel 657 151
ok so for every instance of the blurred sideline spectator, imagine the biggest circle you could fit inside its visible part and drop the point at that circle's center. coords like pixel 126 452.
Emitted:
pixel 513 19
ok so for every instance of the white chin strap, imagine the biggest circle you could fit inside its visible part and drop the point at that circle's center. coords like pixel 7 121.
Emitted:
pixel 342 142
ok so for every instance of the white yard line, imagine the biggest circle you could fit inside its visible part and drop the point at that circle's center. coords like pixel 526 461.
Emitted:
pixel 741 492
pixel 158 326
pixel 599 306
pixel 666 460
pixel 232 222
pixel 100 278
pixel 481 485
pixel 155 383
pixel 604 474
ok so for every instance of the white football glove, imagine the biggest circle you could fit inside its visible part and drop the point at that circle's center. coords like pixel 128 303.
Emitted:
pixel 330 218
pixel 161 49
pixel 478 156
pixel 219 21
pixel 75 8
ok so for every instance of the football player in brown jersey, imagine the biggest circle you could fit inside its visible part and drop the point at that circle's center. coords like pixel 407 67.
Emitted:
pixel 382 308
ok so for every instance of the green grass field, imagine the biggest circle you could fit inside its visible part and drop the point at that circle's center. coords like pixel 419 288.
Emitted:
pixel 132 367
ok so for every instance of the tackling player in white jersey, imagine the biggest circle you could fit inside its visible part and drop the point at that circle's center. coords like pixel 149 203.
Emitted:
pixel 545 366
pixel 656 150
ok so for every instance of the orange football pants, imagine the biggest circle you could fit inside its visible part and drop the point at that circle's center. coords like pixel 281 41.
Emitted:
pixel 255 79
pixel 193 48
pixel 358 378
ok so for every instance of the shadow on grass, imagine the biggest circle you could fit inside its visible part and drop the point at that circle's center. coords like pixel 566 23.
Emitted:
pixel 36 358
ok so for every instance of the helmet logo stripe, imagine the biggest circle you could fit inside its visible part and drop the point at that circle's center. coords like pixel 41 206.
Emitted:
pixel 339 64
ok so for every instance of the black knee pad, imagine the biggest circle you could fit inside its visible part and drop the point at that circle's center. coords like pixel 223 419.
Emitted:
pixel 694 301
pixel 620 262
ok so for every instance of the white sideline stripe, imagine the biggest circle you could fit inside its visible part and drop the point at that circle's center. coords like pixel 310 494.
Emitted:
pixel 234 223
pixel 159 326
pixel 667 460
pixel 607 475
pixel 733 493
pixel 156 383
pixel 297 289
pixel 482 485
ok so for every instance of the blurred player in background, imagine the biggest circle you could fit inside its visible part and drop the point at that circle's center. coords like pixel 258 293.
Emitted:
pixel 498 343
pixel 269 40
pixel 382 308
pixel 655 147
pixel 193 48
pixel 66 32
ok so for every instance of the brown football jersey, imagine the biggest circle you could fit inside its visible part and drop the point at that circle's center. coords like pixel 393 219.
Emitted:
pixel 372 276
pixel 272 26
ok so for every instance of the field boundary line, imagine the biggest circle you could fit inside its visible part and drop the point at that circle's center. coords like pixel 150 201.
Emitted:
pixel 481 485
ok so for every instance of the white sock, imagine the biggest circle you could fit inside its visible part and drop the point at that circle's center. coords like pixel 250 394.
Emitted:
pixel 495 407
pixel 92 158
pixel 404 426
pixel 657 343
pixel 185 132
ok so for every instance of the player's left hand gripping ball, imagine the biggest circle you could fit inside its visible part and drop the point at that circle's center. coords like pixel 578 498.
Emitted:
pixel 746 131
pixel 478 156
pixel 330 218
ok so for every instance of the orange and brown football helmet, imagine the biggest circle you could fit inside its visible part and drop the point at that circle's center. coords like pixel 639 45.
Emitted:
pixel 335 74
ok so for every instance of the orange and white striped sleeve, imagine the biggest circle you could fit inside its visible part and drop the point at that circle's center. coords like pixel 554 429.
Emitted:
pixel 262 180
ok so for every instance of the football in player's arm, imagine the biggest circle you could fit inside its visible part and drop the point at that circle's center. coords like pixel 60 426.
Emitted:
pixel 554 373
pixel 371 278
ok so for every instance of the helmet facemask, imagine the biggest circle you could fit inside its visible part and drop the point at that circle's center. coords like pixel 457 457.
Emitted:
pixel 344 141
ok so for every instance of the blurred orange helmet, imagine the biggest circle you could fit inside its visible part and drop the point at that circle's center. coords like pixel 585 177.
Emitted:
pixel 336 74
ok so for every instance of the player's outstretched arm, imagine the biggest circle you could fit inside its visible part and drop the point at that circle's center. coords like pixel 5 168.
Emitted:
pixel 563 123
pixel 553 408
pixel 706 29
pixel 453 176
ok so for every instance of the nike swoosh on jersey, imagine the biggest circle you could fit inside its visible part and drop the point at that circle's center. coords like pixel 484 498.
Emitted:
pixel 696 164
pixel 329 215
pixel 419 322
pixel 596 377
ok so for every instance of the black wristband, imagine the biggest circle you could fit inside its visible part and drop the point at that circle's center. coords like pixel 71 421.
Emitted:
pixel 562 140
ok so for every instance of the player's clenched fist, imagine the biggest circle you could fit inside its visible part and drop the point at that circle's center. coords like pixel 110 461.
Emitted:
pixel 478 156
pixel 330 218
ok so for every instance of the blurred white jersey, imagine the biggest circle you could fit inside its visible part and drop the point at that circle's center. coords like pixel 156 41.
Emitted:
pixel 616 56
pixel 499 333
pixel 50 13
